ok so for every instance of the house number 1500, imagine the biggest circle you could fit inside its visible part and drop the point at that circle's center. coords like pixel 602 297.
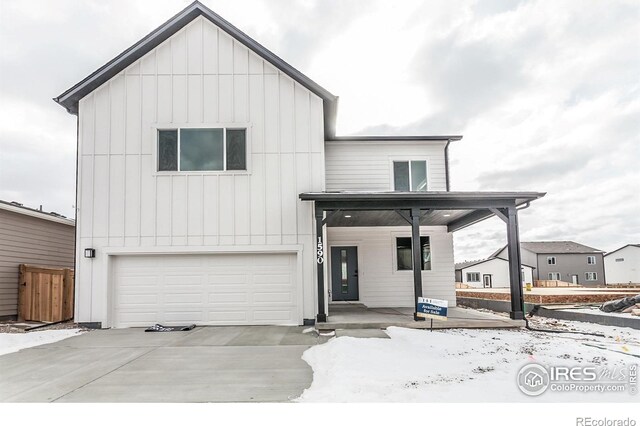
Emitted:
pixel 320 250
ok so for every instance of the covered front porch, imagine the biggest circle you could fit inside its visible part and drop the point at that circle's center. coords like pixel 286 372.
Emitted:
pixel 400 231
pixel 358 316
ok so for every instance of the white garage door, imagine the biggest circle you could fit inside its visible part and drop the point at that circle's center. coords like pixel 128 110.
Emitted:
pixel 216 289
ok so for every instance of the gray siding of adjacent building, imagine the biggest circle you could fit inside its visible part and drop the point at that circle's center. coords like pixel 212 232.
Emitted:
pixel 572 264
pixel 30 240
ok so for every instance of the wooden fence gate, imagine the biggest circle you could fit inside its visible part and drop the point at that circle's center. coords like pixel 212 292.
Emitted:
pixel 45 294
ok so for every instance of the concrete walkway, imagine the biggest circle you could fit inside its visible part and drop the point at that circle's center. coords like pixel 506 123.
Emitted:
pixel 207 364
pixel 358 316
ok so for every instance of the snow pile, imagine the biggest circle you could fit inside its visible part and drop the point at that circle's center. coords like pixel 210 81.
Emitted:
pixel 455 365
pixel 13 342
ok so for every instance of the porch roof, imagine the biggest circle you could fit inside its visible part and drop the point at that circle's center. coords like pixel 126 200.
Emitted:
pixel 456 210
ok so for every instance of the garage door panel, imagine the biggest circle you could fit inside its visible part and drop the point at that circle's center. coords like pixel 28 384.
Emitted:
pixel 138 299
pixel 183 298
pixel 216 289
pixel 260 278
pixel 226 298
pixel 225 317
pixel 268 316
pixel 238 279
pixel 271 298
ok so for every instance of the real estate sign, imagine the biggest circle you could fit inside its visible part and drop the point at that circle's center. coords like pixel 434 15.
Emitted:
pixel 432 308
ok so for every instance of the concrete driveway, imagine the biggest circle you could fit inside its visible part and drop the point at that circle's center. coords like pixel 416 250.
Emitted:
pixel 207 364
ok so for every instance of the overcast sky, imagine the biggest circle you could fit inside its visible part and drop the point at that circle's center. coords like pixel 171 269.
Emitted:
pixel 546 94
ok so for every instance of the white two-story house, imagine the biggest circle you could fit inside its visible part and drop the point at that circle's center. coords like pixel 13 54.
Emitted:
pixel 212 189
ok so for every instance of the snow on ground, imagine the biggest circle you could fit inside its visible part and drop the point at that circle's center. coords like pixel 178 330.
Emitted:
pixel 13 342
pixel 462 365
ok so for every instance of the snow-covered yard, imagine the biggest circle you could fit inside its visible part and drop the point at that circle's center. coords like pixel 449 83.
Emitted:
pixel 463 365
pixel 13 342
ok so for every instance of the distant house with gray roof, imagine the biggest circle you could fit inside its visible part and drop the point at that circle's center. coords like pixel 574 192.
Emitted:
pixel 562 260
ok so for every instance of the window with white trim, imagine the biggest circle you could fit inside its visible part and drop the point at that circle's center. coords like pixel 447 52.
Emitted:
pixel 410 175
pixel 591 260
pixel 551 260
pixel 202 149
pixel 473 277
pixel 554 276
pixel 591 276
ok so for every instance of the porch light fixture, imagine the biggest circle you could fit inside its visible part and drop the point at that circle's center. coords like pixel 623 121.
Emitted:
pixel 446 215
pixel 347 215
pixel 90 253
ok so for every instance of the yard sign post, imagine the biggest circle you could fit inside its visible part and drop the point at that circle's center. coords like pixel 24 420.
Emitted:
pixel 432 308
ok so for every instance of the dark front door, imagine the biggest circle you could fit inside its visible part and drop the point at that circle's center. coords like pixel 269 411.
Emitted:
pixel 486 279
pixel 344 273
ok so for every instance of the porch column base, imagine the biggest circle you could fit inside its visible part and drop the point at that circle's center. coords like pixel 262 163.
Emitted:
pixel 517 315
pixel 321 318
pixel 417 318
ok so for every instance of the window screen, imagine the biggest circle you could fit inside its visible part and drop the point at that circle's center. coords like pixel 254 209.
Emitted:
pixel 167 150
pixel 236 149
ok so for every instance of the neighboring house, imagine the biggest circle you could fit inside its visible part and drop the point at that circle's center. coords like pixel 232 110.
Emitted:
pixel 622 266
pixel 207 170
pixel 562 260
pixel 32 237
pixel 489 273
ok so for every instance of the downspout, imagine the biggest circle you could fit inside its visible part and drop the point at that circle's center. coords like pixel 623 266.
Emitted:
pixel 75 218
pixel 446 164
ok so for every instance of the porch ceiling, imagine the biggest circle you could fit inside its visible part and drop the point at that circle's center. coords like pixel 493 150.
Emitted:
pixel 455 210
pixel 391 218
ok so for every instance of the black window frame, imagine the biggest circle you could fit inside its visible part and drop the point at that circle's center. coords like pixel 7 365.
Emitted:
pixel 225 150
pixel 425 240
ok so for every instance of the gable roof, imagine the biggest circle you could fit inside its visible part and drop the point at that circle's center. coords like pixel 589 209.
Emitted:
pixel 557 247
pixel 70 98
pixel 625 246
pixel 16 207
pixel 552 247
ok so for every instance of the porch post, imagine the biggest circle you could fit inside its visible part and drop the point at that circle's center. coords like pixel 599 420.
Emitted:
pixel 322 315
pixel 417 259
pixel 513 244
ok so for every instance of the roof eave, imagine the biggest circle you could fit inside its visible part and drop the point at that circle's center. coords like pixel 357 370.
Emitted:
pixel 363 138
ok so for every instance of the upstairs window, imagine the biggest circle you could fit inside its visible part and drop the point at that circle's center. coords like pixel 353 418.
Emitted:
pixel 194 150
pixel 473 277
pixel 410 175
pixel 591 260
pixel 551 260
pixel 404 257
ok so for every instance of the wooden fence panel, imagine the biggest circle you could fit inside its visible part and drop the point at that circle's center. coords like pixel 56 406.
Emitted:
pixel 45 294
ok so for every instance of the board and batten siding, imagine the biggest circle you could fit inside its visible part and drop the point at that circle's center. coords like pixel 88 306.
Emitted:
pixel 31 240
pixel 200 76
pixel 379 283
pixel 367 165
